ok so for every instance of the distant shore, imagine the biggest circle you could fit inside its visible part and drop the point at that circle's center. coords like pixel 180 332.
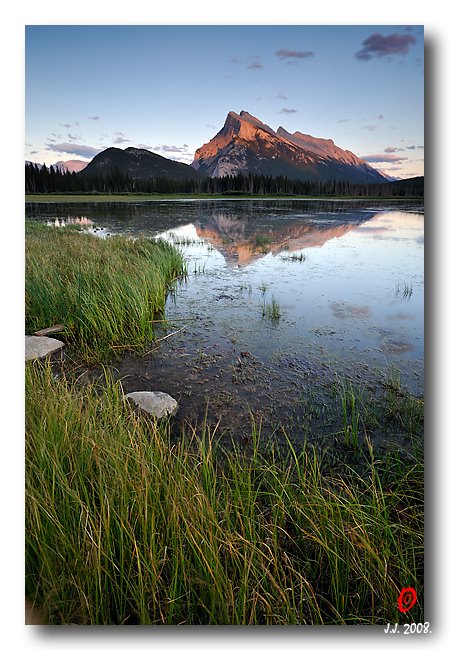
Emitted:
pixel 121 198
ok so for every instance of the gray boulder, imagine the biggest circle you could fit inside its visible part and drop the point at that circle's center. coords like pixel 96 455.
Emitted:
pixel 38 347
pixel 154 402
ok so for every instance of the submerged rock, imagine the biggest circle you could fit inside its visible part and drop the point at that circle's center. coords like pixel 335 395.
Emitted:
pixel 156 403
pixel 38 347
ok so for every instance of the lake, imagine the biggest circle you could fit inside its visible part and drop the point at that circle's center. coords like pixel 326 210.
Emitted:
pixel 283 299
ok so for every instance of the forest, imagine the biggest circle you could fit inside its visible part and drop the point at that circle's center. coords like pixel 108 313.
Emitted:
pixel 48 180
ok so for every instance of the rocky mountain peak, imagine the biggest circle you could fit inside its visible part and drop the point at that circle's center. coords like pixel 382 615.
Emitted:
pixel 246 145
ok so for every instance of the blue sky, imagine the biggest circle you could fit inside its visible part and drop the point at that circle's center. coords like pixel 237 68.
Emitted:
pixel 169 88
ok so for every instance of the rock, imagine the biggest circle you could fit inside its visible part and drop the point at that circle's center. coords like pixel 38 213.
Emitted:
pixel 156 403
pixel 38 347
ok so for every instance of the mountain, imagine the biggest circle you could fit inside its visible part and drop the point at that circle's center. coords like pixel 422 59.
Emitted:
pixel 62 165
pixel 245 145
pixel 409 186
pixel 70 165
pixel 29 162
pixel 138 164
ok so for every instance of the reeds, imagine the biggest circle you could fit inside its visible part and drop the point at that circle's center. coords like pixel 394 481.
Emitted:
pixel 126 526
pixel 295 257
pixel 271 310
pixel 404 290
pixel 105 291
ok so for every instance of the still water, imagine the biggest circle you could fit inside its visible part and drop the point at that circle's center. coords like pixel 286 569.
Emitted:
pixel 346 280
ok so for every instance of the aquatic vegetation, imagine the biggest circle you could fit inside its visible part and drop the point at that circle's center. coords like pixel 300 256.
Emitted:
pixel 294 257
pixel 245 287
pixel 198 268
pixel 404 290
pixel 105 291
pixel 350 415
pixel 271 310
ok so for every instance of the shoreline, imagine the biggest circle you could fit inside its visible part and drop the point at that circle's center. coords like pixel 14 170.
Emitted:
pixel 125 198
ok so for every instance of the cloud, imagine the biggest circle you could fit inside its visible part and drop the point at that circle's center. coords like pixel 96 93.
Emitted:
pixel 281 96
pixel 119 140
pixel 380 117
pixel 293 54
pixel 378 45
pixel 383 158
pixel 252 62
pixel 211 126
pixel 34 151
pixel 288 111
pixel 392 149
pixel 77 149
pixel 413 146
pixel 342 121
pixel 170 148
pixel 73 137
pixel 93 117
pixel 66 126
pixel 184 158
pixel 369 127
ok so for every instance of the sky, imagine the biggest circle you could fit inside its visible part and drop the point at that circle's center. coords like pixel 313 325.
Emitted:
pixel 169 88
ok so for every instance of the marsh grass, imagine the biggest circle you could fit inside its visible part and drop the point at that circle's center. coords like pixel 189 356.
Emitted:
pixel 350 415
pixel 126 526
pixel 105 291
pixel 390 410
pixel 295 257
pixel 271 310
pixel 404 290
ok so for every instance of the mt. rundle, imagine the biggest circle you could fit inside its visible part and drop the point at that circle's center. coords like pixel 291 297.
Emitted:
pixel 248 146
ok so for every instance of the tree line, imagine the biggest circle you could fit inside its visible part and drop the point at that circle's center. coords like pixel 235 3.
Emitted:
pixel 46 180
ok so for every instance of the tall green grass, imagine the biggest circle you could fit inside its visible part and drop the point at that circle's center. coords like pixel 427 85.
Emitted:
pixel 271 310
pixel 105 291
pixel 126 526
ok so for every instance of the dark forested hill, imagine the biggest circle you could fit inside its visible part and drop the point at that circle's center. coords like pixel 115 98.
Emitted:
pixel 138 164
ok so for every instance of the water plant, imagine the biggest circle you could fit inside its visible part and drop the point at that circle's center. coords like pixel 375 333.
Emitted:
pixel 295 257
pixel 404 290
pixel 271 310
pixel 350 415
pixel 245 287
pixel 105 291
pixel 198 268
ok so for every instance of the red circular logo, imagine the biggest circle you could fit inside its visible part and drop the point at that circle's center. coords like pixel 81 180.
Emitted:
pixel 407 599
